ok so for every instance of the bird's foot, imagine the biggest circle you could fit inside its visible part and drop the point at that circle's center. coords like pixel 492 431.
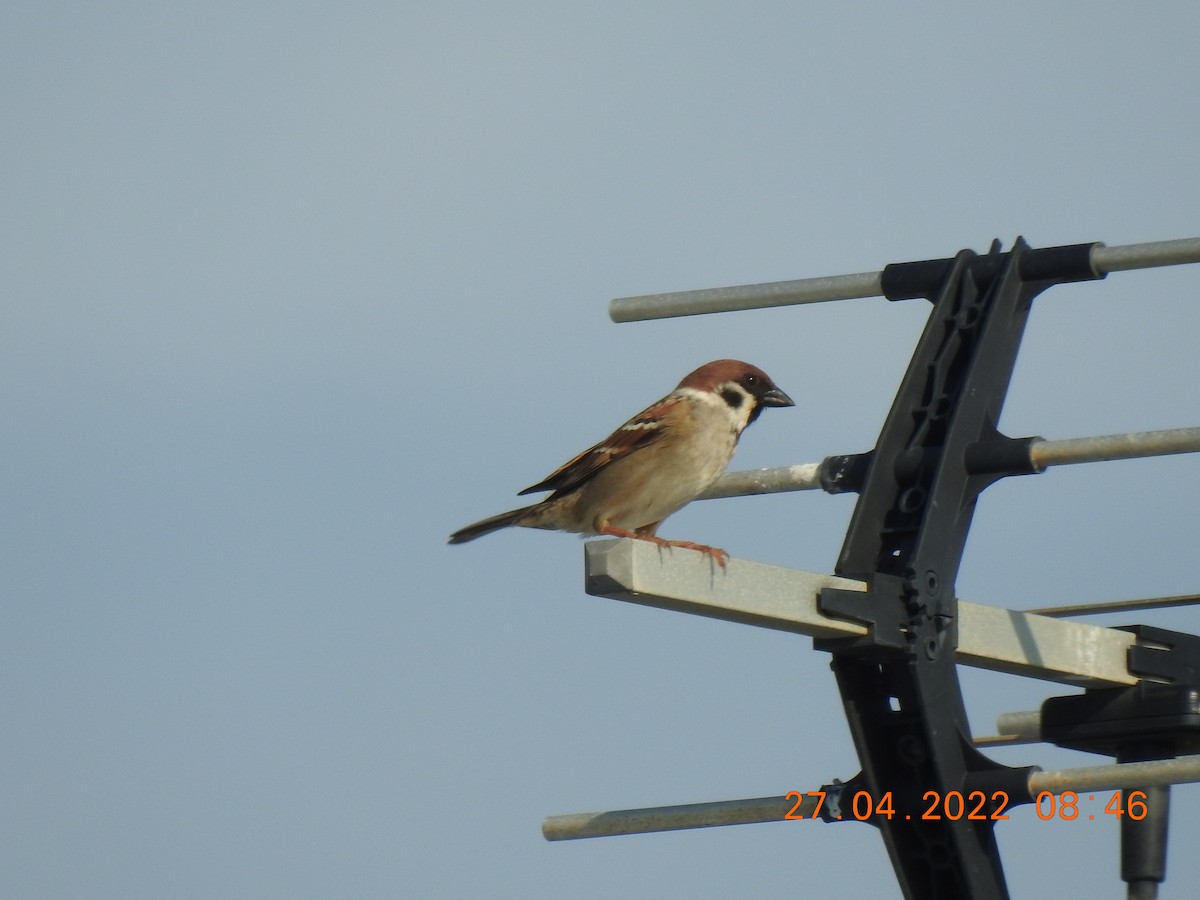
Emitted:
pixel 714 553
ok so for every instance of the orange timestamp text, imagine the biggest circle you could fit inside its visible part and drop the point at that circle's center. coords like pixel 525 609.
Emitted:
pixel 974 806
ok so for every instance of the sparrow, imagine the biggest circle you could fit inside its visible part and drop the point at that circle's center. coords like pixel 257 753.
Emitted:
pixel 653 465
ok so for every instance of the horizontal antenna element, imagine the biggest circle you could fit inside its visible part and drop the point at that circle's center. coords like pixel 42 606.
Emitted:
pixel 864 284
pixel 1042 455
pixel 1120 776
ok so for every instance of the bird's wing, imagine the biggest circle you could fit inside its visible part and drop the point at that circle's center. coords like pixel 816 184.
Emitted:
pixel 641 431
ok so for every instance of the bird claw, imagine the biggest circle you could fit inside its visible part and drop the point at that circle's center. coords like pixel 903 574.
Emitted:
pixel 719 556
pixel 715 553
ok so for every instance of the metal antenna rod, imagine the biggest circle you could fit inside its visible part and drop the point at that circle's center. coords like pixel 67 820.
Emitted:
pixel 864 284
pixel 1042 455
pixel 1115 606
pixel 1119 776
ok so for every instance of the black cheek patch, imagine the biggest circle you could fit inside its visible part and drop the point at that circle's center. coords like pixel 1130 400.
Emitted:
pixel 732 397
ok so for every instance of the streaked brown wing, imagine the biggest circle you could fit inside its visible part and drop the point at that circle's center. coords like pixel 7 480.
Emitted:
pixel 642 430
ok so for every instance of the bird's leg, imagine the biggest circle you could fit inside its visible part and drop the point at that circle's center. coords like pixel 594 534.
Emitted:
pixel 646 533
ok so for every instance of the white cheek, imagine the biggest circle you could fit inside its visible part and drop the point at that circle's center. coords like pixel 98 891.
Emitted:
pixel 738 417
pixel 741 416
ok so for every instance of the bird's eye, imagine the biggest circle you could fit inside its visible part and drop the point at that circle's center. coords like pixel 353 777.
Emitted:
pixel 750 380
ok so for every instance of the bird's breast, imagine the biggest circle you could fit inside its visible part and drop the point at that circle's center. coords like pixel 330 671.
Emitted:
pixel 651 484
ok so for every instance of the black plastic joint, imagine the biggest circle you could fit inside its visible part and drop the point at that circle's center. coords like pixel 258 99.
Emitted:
pixel 1001 456
pixel 844 474
pixel 1072 262
pixel 1165 656
pixel 880 609
pixel 838 806
pixel 905 281
pixel 1112 721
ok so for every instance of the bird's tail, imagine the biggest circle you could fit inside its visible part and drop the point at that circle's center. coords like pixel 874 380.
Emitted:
pixel 490 524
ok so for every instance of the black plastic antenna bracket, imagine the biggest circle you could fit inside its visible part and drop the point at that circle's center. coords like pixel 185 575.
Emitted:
pixel 938 449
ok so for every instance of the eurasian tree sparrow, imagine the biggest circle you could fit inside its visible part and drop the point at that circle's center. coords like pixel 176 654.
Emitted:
pixel 653 465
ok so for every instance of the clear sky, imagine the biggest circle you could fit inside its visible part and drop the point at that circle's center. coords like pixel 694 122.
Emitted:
pixel 291 291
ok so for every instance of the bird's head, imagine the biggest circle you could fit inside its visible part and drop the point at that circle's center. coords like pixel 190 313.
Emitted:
pixel 744 388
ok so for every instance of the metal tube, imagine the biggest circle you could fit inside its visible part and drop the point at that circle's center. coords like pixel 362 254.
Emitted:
pixel 673 818
pixel 1114 446
pixel 1145 256
pixel 864 284
pixel 804 477
pixel 1116 606
pixel 745 296
pixel 1118 776
pixel 1042 454
pixel 764 481
pixel 1014 728
pixel 774 809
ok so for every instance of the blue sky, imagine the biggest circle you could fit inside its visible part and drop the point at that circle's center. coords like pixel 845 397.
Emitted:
pixel 291 293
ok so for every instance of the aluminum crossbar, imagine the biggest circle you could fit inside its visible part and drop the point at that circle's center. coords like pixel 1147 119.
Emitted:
pixel 783 599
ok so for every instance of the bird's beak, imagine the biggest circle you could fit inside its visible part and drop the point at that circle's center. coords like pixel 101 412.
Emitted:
pixel 775 397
